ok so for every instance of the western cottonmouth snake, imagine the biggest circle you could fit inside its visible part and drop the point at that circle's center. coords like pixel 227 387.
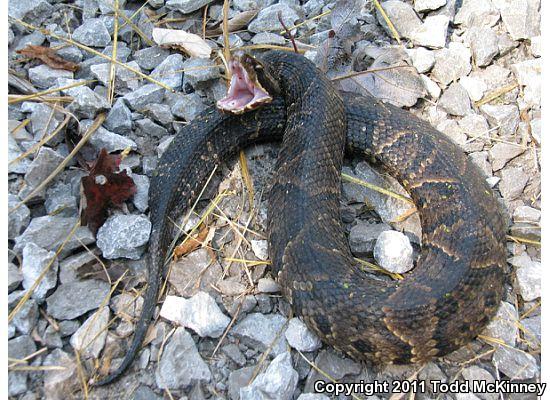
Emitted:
pixel 458 281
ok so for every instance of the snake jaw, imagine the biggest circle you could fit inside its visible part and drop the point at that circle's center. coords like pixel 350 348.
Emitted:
pixel 245 92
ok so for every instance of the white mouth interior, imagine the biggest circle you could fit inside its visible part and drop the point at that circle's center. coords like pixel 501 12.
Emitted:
pixel 243 94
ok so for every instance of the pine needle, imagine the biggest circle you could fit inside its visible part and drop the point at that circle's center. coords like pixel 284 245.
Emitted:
pixel 246 178
pixel 49 91
pixel 387 19
pixel 378 189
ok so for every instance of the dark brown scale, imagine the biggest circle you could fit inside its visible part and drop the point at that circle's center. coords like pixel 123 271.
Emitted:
pixel 458 281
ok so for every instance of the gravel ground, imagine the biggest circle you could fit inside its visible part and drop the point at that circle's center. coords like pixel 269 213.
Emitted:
pixel 223 330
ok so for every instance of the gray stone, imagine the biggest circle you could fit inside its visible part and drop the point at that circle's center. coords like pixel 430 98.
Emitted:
pixel 159 112
pixel 232 351
pixel 502 152
pixel 49 232
pixel 473 125
pixel 18 219
pixel 181 365
pixel 268 285
pixel 35 261
pixel 259 331
pixel 147 128
pixel 504 325
pixel 536 46
pixel 268 38
pixel 267 18
pixel 513 182
pixel 43 120
pixel 362 237
pixel 393 252
pixel 31 11
pixel 45 77
pixel 515 364
pixel 125 304
pixel 141 197
pixel 476 373
pixel 92 32
pixel 332 365
pixel 149 93
pixel 521 18
pixel 423 60
pixel 432 33
pixel 14 151
pixel 451 63
pixel 61 201
pixel 19 348
pixel 169 71
pixel 527 214
pixel 199 70
pixel 34 39
pixel 41 167
pixel 59 382
pixel 480 159
pixel 403 17
pixel 187 6
pixel 26 318
pixel 433 88
pixel 89 339
pixel 300 337
pixel 21 134
pixel 124 236
pixel 450 128
pixel 188 106
pixel 245 5
pixel 15 277
pixel 195 272
pixel 427 5
pixel 108 6
pixel 528 74
pixel 110 141
pixel 528 278
pixel 484 45
pixel 87 103
pixel 506 117
pixel 119 119
pixel 73 299
pixel 144 392
pixel 69 268
pixel 477 12
pixel 474 86
pixel 199 313
pixel 239 379
pixel 150 57
pixel 532 331
pixel 455 100
pixel 278 381
pixel 163 145
pixel 51 338
pixel 536 130
pixel 125 80
pixel 259 247
pixel 313 396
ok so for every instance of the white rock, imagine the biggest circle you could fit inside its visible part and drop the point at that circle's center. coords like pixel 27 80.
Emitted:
pixel 474 86
pixel 521 18
pixel 259 247
pixel 278 381
pixel 529 280
pixel 300 337
pixel 427 5
pixel 89 339
pixel 528 74
pixel 199 313
pixel 423 59
pixel 35 261
pixel 432 33
pixel 124 236
pixel 504 325
pixel 393 252
pixel 433 88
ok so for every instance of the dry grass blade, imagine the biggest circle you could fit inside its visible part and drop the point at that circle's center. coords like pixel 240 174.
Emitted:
pixel 324 14
pixel 388 21
pixel 23 124
pixel 142 35
pixel 53 99
pixel 246 178
pixel 398 396
pixel 226 46
pixel 16 361
pixel 369 71
pixel 97 123
pixel 228 328
pixel 46 92
pixel 519 239
pixel 377 268
pixel 376 188
pixel 94 52
pixel 81 375
pixel 42 141
pixel 497 93
pixel 268 47
pixel 31 290
pixel 112 70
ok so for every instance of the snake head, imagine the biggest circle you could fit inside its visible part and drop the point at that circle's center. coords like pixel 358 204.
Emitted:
pixel 250 86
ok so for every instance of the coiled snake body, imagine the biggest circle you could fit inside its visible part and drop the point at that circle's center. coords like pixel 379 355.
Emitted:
pixel 458 281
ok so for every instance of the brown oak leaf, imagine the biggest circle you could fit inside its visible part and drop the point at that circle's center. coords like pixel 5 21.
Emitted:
pixel 104 188
pixel 48 56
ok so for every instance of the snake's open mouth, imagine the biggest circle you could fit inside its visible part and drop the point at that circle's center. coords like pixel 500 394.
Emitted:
pixel 245 92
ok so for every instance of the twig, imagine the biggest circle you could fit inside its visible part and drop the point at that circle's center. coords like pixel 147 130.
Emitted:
pixel 290 35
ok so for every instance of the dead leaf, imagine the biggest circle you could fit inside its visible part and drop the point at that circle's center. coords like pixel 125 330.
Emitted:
pixel 236 23
pixel 104 188
pixel 190 43
pixel 192 244
pixel 48 56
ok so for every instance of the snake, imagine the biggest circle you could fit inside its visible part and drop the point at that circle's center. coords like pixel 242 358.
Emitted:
pixel 458 281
